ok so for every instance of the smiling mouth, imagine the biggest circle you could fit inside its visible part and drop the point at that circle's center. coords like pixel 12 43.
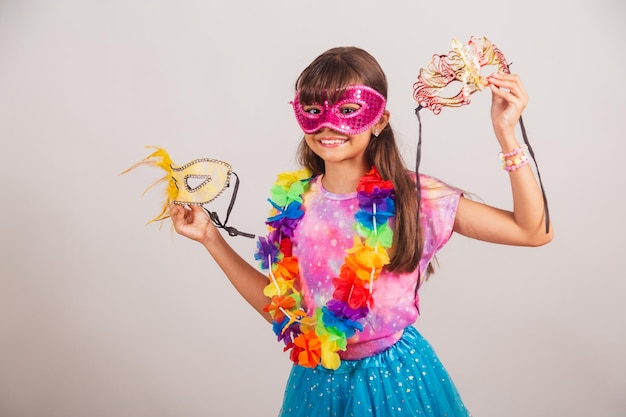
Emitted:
pixel 332 141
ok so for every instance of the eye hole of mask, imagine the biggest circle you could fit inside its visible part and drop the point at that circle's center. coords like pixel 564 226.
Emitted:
pixel 349 109
pixel 312 109
pixel 194 182
pixel 344 109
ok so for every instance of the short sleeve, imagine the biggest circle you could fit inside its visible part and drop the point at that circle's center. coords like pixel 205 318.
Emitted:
pixel 439 203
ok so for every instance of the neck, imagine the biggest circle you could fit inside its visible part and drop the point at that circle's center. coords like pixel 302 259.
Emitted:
pixel 343 179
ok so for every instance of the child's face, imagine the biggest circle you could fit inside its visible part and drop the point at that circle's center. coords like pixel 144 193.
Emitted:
pixel 356 111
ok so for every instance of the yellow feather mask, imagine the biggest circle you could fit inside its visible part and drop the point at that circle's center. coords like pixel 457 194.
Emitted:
pixel 197 182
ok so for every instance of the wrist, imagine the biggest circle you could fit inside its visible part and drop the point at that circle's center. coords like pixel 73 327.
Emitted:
pixel 514 159
pixel 508 142
pixel 211 237
pixel 504 134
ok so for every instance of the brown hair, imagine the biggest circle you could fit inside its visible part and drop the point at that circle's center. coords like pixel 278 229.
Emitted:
pixel 337 68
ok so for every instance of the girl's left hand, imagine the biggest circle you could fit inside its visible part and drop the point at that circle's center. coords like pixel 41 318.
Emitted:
pixel 508 101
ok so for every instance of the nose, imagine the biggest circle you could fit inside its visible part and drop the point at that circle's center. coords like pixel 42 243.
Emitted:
pixel 326 129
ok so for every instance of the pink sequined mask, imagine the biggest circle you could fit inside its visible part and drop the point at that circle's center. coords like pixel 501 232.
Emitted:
pixel 358 109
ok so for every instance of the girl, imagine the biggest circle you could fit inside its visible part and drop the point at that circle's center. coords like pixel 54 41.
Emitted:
pixel 347 252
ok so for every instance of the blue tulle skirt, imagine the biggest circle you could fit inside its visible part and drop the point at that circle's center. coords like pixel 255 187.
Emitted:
pixel 405 380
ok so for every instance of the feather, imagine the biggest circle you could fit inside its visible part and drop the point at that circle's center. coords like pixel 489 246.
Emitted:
pixel 160 159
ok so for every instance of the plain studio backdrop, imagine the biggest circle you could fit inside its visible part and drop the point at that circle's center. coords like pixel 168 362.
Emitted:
pixel 102 315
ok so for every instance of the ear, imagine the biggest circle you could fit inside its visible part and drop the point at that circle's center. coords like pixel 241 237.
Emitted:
pixel 383 121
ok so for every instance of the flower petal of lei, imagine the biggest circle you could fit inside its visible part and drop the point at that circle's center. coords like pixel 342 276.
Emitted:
pixel 266 251
pixel 285 179
pixel 383 237
pixel 283 196
pixel 310 349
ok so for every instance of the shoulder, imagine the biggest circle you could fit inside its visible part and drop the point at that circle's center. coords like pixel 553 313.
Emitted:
pixel 433 188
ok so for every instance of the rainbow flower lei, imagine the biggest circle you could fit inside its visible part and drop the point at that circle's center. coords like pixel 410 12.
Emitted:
pixel 316 337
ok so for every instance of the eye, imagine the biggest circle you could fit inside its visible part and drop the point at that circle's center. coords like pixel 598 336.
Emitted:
pixel 349 108
pixel 312 109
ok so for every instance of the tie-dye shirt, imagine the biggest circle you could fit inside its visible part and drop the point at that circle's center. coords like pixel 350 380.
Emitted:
pixel 326 231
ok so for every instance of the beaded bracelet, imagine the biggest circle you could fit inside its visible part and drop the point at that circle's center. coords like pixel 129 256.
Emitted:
pixel 517 163
pixel 511 164
pixel 514 152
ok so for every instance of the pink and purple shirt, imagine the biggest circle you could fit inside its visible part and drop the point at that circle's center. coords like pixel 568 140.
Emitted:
pixel 326 231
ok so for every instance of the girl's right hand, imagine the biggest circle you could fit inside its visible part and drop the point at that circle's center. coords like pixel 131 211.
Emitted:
pixel 192 222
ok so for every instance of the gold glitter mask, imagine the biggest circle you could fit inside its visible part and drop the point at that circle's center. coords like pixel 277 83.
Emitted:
pixel 463 63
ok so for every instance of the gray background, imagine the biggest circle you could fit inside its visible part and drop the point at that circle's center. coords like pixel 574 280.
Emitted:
pixel 101 315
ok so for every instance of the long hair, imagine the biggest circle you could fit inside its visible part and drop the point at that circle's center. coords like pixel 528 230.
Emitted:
pixel 337 68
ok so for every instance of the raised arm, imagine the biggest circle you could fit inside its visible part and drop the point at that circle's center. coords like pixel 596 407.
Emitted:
pixel 525 225
pixel 194 223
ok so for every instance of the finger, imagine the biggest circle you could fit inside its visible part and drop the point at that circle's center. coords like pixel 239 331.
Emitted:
pixel 174 210
pixel 511 95
pixel 197 213
pixel 177 216
pixel 504 76
pixel 502 83
pixel 502 94
pixel 510 82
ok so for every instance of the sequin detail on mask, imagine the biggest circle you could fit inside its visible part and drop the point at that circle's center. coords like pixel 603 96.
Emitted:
pixel 371 107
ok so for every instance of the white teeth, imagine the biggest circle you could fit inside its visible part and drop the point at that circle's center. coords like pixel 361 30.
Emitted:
pixel 332 141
